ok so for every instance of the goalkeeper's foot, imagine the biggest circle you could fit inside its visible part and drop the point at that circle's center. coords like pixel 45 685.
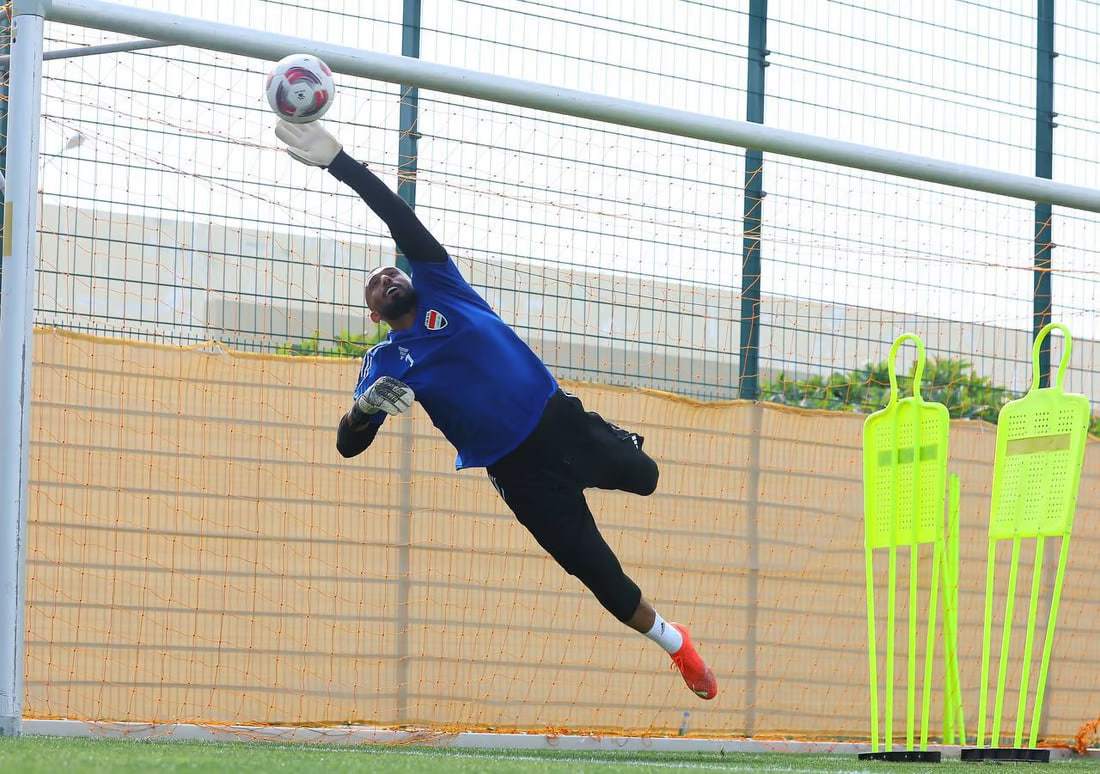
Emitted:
pixel 698 676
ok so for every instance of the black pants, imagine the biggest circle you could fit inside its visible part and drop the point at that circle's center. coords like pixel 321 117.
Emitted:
pixel 543 482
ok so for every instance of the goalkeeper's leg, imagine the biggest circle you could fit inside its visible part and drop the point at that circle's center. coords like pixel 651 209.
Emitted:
pixel 606 456
pixel 554 510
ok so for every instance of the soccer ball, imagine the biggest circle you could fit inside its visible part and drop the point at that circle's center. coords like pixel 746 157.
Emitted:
pixel 300 88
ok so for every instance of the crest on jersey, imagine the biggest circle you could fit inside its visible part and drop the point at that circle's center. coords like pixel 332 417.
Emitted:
pixel 435 321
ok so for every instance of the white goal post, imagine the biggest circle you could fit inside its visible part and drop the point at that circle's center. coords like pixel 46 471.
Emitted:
pixel 20 212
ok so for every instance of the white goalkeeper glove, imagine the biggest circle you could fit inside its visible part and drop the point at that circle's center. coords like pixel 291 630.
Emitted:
pixel 387 394
pixel 309 143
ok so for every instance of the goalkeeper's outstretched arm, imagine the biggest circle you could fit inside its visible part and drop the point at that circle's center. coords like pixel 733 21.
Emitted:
pixel 409 234
pixel 311 144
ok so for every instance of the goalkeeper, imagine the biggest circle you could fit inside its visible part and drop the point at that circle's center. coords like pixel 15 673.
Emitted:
pixel 495 401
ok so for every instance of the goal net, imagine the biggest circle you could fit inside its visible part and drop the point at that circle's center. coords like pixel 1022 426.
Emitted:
pixel 197 550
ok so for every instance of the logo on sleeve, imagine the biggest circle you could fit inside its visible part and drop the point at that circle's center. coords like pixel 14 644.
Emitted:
pixel 435 321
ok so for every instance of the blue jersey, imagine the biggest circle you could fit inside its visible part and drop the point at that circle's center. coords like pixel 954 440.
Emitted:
pixel 480 383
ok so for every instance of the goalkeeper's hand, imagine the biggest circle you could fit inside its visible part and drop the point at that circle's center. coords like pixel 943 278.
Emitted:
pixel 309 143
pixel 387 394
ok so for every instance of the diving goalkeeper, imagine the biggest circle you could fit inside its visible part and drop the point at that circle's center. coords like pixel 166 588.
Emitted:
pixel 495 401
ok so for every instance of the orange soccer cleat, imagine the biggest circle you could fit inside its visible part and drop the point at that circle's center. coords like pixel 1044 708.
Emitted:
pixel 698 676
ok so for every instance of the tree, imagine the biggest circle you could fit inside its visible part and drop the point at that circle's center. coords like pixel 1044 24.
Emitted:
pixel 344 345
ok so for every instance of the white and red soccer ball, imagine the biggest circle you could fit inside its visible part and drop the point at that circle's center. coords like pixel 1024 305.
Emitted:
pixel 300 88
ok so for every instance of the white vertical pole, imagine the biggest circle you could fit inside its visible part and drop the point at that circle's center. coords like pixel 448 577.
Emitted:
pixel 16 322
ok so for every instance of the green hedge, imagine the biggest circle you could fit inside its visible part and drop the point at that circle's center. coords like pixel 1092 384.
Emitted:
pixel 950 382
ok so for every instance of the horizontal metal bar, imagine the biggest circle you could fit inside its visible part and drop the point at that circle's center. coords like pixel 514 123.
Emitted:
pixel 106 48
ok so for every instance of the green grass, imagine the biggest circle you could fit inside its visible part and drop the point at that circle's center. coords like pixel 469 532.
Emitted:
pixel 34 755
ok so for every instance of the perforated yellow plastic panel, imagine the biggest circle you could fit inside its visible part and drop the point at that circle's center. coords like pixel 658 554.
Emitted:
pixel 905 465
pixel 1040 449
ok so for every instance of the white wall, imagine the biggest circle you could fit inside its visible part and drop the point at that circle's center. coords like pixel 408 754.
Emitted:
pixel 194 281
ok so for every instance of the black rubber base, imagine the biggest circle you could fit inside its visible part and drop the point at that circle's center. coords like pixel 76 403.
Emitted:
pixel 1018 754
pixel 903 756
